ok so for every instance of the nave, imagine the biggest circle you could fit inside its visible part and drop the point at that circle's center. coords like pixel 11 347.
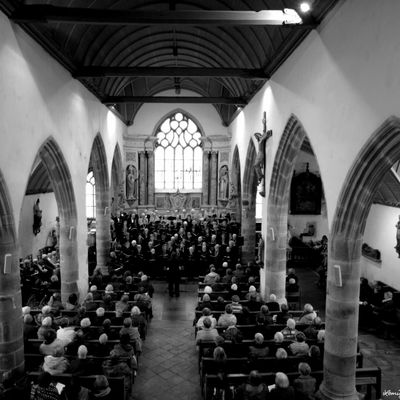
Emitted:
pixel 168 367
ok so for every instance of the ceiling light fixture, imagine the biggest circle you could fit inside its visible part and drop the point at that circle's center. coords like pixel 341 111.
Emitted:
pixel 305 7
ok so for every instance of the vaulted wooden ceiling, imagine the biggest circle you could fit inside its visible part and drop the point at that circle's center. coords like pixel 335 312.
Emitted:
pixel 127 52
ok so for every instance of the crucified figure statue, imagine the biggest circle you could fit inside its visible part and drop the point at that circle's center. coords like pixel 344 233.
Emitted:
pixel 259 164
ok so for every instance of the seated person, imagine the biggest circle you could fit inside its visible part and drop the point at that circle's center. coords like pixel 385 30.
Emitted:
pixel 205 303
pixel 30 329
pixel 209 279
pixel 85 328
pixel 308 315
pixel 252 292
pixel 96 294
pixel 386 311
pixel 125 350
pixel 282 389
pixel 56 304
pixel 305 385
pixel 312 330
pixel 139 319
pixel 258 348
pixel 217 286
pixel 227 318
pixel 227 277
pixel 102 349
pixel 281 353
pixel 207 333
pixel 321 335
pixel 299 348
pixel 133 333
pixel 82 365
pixel 123 305
pixel 51 344
pixel 56 364
pixel 236 306
pixel 292 286
pixel 253 389
pixel 66 333
pixel 290 331
pixel 292 275
pixel 47 324
pixel 272 304
pixel 284 315
pixel 148 287
pixel 89 302
pixel 206 314
pixel 314 359
pixel 45 389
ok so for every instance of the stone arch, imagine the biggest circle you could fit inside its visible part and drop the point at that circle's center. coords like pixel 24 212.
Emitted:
pixel 376 157
pixel 98 163
pixel 249 192
pixel 278 206
pixel 61 181
pixel 236 186
pixel 117 182
pixel 11 338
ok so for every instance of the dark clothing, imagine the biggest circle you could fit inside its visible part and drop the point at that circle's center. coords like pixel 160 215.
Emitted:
pixel 282 394
pixel 305 387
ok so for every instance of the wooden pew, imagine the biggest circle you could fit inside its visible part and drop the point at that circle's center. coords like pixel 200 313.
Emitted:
pixel 116 383
pixel 369 377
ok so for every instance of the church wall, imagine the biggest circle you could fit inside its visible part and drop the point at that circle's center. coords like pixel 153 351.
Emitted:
pixel 40 99
pixel 380 234
pixel 341 83
pixel 28 242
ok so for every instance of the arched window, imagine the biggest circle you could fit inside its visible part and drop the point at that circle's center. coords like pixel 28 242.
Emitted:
pixel 90 196
pixel 178 157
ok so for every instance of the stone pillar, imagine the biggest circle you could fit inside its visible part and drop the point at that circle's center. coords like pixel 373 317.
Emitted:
pixel 68 260
pixel 341 321
pixel 150 174
pixel 103 237
pixel 275 260
pixel 11 330
pixel 142 179
pixel 214 175
pixel 206 177
pixel 248 231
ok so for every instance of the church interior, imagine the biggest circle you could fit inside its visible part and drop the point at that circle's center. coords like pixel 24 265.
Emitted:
pixel 186 163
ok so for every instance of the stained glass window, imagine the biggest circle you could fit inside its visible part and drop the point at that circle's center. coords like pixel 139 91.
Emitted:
pixel 90 196
pixel 178 156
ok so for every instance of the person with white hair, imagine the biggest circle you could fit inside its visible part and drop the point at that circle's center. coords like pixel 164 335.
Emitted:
pixel 96 294
pixel 89 303
pixel 272 304
pixel 258 348
pixel 308 315
pixel 289 332
pixel 282 389
pixel 47 324
pixel 82 365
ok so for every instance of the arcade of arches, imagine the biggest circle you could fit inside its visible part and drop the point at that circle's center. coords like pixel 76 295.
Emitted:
pixel 333 117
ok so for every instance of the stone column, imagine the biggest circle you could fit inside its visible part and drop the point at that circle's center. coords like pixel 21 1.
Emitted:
pixel 102 230
pixel 11 330
pixel 341 321
pixel 248 231
pixel 150 174
pixel 214 175
pixel 206 177
pixel 142 179
pixel 275 261
pixel 68 259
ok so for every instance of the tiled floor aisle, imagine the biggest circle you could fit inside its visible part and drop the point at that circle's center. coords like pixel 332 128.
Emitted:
pixel 168 367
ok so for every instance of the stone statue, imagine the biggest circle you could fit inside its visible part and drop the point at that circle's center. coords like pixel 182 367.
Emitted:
pixel 37 217
pixel 223 192
pixel 131 183
pixel 259 164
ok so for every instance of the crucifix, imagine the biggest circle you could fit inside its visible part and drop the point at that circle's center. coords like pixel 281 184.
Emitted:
pixel 259 164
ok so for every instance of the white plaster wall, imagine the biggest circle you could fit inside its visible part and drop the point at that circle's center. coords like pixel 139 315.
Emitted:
pixel 40 99
pixel 28 242
pixel 149 115
pixel 380 233
pixel 341 83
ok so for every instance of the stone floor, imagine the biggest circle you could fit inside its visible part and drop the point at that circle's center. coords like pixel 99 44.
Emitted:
pixel 168 366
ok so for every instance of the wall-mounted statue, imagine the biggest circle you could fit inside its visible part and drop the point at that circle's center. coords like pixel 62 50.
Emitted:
pixel 397 247
pixel 131 183
pixel 223 189
pixel 259 164
pixel 37 217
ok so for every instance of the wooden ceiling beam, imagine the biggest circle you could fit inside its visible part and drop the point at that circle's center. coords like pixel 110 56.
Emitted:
pixel 40 13
pixel 103 72
pixel 111 100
